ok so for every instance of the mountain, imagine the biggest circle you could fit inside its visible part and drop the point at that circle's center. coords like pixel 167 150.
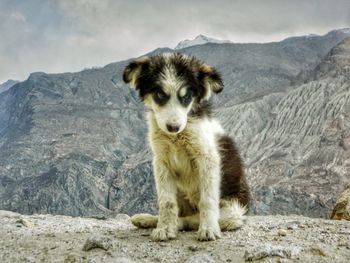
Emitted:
pixel 7 84
pixel 74 143
pixel 199 40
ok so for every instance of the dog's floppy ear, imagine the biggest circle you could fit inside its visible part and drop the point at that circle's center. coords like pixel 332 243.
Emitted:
pixel 210 79
pixel 133 71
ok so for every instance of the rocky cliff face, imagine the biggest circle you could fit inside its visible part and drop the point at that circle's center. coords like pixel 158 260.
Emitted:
pixel 47 238
pixel 74 143
pixel 63 138
pixel 300 158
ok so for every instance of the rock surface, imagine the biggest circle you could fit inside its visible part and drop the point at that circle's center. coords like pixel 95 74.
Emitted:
pixel 64 239
pixel 342 207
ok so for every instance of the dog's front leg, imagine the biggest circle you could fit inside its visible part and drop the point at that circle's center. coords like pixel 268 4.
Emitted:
pixel 209 172
pixel 168 208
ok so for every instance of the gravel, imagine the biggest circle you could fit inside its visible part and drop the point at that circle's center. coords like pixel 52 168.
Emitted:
pixel 62 239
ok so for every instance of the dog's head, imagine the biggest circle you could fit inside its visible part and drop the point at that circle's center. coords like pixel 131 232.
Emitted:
pixel 172 86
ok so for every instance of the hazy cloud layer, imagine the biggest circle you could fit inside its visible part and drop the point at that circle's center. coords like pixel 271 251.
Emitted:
pixel 69 35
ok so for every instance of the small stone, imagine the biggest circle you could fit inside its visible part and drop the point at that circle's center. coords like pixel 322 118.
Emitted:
pixel 99 217
pixel 282 232
pixel 341 210
pixel 70 258
pixel 25 222
pixel 200 258
pixel 193 248
pixel 268 250
pixel 291 227
pixel 29 259
pixel 318 250
pixel 97 242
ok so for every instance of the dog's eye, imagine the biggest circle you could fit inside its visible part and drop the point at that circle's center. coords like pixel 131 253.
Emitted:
pixel 186 99
pixel 160 95
pixel 187 96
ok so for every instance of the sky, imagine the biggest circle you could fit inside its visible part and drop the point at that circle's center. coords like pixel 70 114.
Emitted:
pixel 70 35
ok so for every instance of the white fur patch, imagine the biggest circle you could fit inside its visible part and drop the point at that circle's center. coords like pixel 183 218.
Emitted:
pixel 183 91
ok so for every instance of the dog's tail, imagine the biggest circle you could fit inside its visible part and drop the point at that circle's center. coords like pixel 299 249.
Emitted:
pixel 232 214
pixel 144 220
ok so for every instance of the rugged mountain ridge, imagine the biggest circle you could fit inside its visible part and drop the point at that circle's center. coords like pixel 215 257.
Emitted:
pixel 306 141
pixel 74 143
pixel 7 84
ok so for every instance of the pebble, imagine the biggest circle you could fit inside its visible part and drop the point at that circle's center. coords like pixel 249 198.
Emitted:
pixel 282 232
pixel 193 248
pixel 97 242
pixel 268 250
pixel 318 250
pixel 29 260
pixel 25 222
pixel 293 225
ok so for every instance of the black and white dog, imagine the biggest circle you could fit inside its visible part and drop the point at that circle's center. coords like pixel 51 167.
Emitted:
pixel 198 171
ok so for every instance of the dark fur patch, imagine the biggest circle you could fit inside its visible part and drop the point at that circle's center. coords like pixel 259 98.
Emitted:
pixel 196 75
pixel 203 109
pixel 160 97
pixel 186 100
pixel 233 181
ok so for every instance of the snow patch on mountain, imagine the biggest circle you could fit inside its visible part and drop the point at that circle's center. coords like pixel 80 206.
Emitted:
pixel 199 40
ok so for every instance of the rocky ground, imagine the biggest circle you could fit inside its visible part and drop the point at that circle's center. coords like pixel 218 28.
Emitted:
pixel 48 238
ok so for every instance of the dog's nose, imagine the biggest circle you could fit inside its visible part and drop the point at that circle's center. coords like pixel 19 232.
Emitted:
pixel 172 128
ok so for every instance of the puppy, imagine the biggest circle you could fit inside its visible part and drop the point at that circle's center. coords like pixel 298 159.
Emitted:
pixel 198 171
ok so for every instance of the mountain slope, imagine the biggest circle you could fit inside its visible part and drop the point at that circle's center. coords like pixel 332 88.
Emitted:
pixel 74 143
pixel 63 137
pixel 299 161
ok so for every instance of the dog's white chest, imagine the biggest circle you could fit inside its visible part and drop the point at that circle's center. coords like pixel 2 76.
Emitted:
pixel 180 162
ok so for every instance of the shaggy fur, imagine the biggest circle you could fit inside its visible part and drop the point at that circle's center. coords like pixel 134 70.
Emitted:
pixel 198 171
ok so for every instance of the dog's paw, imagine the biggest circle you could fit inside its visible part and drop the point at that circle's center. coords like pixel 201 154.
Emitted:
pixel 163 234
pixel 208 234
pixel 144 220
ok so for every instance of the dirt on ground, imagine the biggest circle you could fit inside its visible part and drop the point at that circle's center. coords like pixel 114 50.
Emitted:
pixel 49 238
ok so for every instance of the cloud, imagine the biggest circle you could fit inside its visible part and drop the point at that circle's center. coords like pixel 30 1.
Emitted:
pixel 18 16
pixel 68 35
